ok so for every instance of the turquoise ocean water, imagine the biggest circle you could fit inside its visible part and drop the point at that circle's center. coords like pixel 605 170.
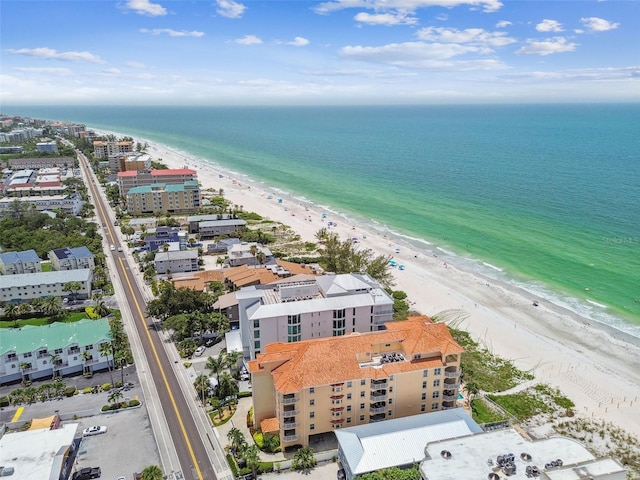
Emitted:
pixel 546 197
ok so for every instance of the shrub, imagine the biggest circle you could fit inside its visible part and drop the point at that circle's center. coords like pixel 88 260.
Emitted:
pixel 69 391
pixel 87 390
pixel 244 394
pixel 232 465
pixel 118 384
pixel 106 408
pixel 134 403
pixel 4 401
pixel 105 387
pixel 187 364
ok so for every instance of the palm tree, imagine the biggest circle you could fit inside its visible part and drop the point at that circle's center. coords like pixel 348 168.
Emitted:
pixel 24 309
pixel 120 358
pixel 101 308
pixel 37 304
pixel 55 361
pixel 227 386
pixel 115 396
pixel 304 459
pixel 105 350
pixel 231 359
pixel 252 457
pixel 216 366
pixel 152 472
pixel 52 306
pixel 238 443
pixel 202 387
pixel 24 366
pixel 72 288
pixel 260 256
pixel 86 356
pixel 253 250
pixel 11 311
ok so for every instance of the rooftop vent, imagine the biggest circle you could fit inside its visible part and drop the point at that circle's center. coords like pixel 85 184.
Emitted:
pixel 445 454
pixel 525 456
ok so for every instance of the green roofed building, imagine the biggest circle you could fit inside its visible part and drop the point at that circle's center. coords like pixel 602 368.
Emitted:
pixel 166 198
pixel 34 352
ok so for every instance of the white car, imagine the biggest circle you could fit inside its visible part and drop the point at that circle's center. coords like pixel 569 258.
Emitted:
pixel 95 430
pixel 199 351
pixel 112 247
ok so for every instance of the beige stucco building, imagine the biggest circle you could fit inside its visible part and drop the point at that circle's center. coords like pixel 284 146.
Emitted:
pixel 315 386
pixel 183 198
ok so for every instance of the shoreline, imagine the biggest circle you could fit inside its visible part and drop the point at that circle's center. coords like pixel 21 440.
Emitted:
pixel 594 364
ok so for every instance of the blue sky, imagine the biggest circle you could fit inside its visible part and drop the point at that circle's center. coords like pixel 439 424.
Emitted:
pixel 225 52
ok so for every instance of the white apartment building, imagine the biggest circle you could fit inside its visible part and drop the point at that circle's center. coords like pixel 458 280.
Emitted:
pixel 27 286
pixel 103 148
pixel 35 352
pixel 241 254
pixel 71 258
pixel 15 263
pixel 71 204
pixel 176 262
pixel 329 305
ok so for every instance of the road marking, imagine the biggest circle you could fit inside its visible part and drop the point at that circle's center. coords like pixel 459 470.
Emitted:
pixel 196 467
pixel 153 348
pixel 18 414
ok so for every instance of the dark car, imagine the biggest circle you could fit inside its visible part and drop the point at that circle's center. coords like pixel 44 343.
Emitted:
pixel 87 473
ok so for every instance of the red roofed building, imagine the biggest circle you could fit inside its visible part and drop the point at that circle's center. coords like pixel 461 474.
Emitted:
pixel 316 386
pixel 131 179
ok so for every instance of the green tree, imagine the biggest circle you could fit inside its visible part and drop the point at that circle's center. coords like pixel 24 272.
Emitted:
pixel 304 459
pixel 73 288
pixel 52 306
pixel 115 396
pixel 202 386
pixel 251 455
pixel 55 360
pixel 216 365
pixel 152 472
pixel 11 311
pixel 87 356
pixel 227 387
pixel 106 349
pixel 237 440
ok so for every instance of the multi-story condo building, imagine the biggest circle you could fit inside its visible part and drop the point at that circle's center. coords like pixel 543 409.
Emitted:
pixel 47 147
pixel 130 162
pixel 315 386
pixel 176 262
pixel 14 263
pixel 39 162
pixel 131 179
pixel 249 253
pixel 105 149
pixel 326 306
pixel 37 352
pixel 27 286
pixel 182 198
pixel 71 258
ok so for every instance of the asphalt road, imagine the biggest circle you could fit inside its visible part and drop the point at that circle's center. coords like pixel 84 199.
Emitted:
pixel 190 449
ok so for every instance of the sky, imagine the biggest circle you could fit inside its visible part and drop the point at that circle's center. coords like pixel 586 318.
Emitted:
pixel 235 52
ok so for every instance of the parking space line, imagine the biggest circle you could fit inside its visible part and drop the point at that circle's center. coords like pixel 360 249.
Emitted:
pixel 18 414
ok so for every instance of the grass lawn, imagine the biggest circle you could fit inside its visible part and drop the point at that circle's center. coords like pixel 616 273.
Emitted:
pixel 483 413
pixel 226 416
pixel 38 322
pixel 46 267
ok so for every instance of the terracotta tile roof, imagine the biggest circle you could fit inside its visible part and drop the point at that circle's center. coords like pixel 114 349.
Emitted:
pixel 199 280
pixel 270 425
pixel 324 361
pixel 128 173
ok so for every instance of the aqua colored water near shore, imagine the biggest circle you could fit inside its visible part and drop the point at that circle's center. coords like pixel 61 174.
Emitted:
pixel 546 197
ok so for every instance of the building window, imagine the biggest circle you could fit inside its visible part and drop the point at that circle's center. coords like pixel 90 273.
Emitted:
pixel 312 414
pixel 256 334
pixel 361 405
pixel 312 402
pixel 362 418
pixel 363 381
pixel 425 373
pixel 26 355
pixel 348 396
pixel 435 394
pixel 312 390
pixel 437 371
pixel 312 426
pixel 348 408
pixel 348 419
pixel 256 344
pixel 423 407
pixel 424 396
pixel 390 401
pixel 256 324
pixel 362 394
pixel 424 384
pixel 349 384
pixel 435 406
pixel 436 383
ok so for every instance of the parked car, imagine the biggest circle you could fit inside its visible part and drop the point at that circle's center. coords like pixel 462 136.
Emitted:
pixel 210 342
pixel 199 351
pixel 87 473
pixel 95 430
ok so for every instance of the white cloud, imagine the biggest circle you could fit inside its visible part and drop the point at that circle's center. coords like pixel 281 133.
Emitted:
pixel 503 24
pixel 45 70
pixel 145 7
pixel 111 71
pixel 595 24
pixel 549 26
pixel 443 17
pixel 547 47
pixel 134 64
pixel 406 6
pixel 473 36
pixel 172 33
pixel 385 19
pixel 50 53
pixel 298 42
pixel 248 40
pixel 230 9
pixel 582 74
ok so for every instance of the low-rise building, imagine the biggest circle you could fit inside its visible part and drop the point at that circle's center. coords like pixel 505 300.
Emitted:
pixel 14 263
pixel 176 262
pixel 27 286
pixel 40 162
pixel 180 198
pixel 312 387
pixel 251 253
pixel 324 306
pixel 194 220
pixel 214 228
pixel 31 352
pixel 72 258
pixel 71 204
pixel 160 237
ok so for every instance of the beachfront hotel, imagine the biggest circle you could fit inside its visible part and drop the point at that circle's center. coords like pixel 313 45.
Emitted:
pixel 159 197
pixel 308 388
pixel 325 306
pixel 105 149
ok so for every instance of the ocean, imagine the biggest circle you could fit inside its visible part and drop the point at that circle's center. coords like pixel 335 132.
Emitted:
pixel 545 197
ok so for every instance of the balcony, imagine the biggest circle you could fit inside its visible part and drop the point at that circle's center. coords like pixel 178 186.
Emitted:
pixel 377 409
pixel 451 385
pixel 338 421
pixel 337 409
pixel 43 355
pixel 377 418
pixel 449 398
pixel 290 425
pixel 290 413
pixel 378 396
pixel 289 400
pixel 452 374
pixel 290 438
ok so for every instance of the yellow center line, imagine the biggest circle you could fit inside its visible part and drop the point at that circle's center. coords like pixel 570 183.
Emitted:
pixel 18 414
pixel 153 348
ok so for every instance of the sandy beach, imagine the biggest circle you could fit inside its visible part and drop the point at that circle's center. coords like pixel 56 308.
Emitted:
pixel 596 366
